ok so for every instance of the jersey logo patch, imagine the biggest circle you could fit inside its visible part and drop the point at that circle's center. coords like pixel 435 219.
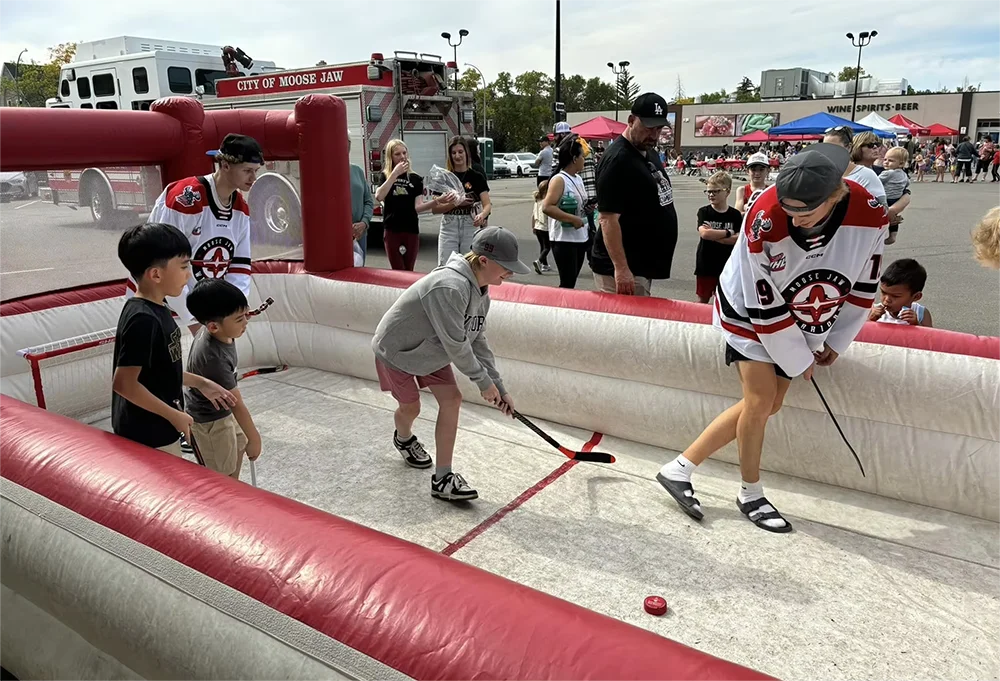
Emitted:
pixel 211 260
pixel 815 299
pixel 188 197
pixel 776 262
pixel 759 224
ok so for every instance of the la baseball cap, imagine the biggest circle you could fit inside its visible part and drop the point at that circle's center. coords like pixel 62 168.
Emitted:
pixel 651 109
pixel 812 176
pixel 758 159
pixel 240 147
pixel 500 246
pixel 561 127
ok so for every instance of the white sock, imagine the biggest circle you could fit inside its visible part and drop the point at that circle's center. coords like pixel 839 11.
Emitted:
pixel 752 491
pixel 679 470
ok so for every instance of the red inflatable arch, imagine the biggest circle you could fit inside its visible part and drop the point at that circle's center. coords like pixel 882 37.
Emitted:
pixel 436 618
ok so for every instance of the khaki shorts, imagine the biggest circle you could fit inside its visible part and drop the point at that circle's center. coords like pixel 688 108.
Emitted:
pixel 222 445
pixel 173 448
pixel 606 284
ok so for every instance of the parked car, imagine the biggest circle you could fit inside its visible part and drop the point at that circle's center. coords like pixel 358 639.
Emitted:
pixel 18 185
pixel 520 164
pixel 501 168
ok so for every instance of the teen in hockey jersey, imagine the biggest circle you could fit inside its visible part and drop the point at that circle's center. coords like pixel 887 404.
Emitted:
pixel 210 211
pixel 794 294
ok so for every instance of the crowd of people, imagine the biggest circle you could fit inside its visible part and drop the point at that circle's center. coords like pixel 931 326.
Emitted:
pixel 794 269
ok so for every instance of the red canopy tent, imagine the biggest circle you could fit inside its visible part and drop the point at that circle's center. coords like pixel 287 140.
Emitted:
pixel 938 130
pixel 764 136
pixel 914 128
pixel 755 136
pixel 600 128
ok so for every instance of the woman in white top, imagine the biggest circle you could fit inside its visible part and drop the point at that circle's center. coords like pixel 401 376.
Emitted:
pixel 862 147
pixel 564 205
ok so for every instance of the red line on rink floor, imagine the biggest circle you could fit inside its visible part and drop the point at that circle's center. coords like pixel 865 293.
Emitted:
pixel 450 549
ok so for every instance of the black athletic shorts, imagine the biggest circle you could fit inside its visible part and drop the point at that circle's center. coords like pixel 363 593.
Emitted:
pixel 733 355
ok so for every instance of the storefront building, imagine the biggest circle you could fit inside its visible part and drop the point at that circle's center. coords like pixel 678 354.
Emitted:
pixel 703 127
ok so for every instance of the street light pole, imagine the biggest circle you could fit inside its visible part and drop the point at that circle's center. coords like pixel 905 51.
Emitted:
pixel 484 94
pixel 618 73
pixel 447 36
pixel 864 38
pixel 17 75
pixel 558 80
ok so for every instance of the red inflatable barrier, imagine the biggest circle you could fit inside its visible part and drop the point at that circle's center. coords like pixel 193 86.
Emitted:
pixel 434 618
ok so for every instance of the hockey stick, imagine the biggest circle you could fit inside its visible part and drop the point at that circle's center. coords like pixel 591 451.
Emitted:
pixel 264 370
pixel 844 437
pixel 596 457
pixel 253 474
pixel 266 304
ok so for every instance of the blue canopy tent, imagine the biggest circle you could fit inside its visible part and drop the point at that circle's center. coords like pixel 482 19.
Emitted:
pixel 819 123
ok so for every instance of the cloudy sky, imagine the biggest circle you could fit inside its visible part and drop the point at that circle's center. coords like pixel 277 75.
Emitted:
pixel 709 44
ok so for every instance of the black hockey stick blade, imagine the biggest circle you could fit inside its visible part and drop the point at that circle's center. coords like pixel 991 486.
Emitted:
pixel 839 429
pixel 594 457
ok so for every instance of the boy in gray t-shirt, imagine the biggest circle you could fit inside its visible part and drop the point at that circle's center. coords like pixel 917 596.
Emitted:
pixel 222 435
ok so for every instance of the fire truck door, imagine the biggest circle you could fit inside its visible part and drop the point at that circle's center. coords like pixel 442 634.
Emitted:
pixel 426 149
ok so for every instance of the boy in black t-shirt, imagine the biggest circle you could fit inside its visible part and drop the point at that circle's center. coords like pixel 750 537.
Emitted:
pixel 147 365
pixel 718 225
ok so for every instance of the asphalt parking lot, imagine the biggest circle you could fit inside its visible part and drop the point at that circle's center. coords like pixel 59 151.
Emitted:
pixel 45 247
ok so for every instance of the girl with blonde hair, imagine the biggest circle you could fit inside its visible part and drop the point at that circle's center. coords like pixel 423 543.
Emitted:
pixel 401 196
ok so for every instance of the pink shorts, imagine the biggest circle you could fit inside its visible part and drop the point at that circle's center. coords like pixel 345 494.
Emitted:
pixel 406 387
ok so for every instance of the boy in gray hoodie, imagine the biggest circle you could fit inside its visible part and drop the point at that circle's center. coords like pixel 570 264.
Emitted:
pixel 437 322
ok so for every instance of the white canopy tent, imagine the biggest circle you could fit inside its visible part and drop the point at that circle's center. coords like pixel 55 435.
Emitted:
pixel 873 120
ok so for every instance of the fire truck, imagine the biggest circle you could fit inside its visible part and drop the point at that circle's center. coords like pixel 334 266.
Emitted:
pixel 405 96
pixel 131 73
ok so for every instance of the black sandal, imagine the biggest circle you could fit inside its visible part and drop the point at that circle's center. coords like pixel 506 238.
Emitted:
pixel 683 494
pixel 751 510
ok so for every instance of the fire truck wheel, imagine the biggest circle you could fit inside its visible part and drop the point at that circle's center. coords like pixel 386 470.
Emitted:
pixel 101 205
pixel 275 213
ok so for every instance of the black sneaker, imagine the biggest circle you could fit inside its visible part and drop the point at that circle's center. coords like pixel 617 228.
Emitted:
pixel 412 451
pixel 452 487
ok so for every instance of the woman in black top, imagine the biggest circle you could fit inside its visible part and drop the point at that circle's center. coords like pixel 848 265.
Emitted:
pixel 401 196
pixel 462 220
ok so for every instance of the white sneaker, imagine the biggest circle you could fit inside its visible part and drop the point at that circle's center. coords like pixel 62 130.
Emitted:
pixel 452 487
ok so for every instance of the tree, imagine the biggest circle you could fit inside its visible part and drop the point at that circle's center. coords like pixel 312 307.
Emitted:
pixel 746 91
pixel 965 87
pixel 597 96
pixel 848 73
pixel 626 90
pixel 714 97
pixel 39 82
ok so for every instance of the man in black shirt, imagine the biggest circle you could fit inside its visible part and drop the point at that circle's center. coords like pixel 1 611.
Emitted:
pixel 638 221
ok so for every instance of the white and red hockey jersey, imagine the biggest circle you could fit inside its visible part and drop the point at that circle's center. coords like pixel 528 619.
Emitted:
pixel 783 294
pixel 220 237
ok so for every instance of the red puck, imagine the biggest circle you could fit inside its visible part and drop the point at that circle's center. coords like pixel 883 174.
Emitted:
pixel 655 605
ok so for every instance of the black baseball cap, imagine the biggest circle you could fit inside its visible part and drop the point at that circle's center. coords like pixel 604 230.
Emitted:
pixel 651 109
pixel 812 176
pixel 240 147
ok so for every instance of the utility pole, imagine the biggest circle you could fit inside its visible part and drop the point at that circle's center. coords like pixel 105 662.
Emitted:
pixel 555 106
pixel 484 94
pixel 618 75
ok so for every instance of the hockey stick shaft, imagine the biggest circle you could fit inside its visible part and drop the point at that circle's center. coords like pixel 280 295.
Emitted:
pixel 839 429
pixel 595 457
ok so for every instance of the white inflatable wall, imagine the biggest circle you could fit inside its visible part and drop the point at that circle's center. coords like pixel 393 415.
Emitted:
pixel 924 423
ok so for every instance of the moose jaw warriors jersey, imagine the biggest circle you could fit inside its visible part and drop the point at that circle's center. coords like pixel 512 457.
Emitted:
pixel 220 237
pixel 783 294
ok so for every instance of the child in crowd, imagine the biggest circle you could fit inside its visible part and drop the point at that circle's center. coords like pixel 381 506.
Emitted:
pixel 222 435
pixel 895 181
pixel 986 239
pixel 148 373
pixel 758 168
pixel 540 227
pixel 940 166
pixel 901 286
pixel 918 163
pixel 718 226
pixel 438 321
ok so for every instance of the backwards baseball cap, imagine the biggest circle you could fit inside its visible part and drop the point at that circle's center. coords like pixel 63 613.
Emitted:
pixel 758 159
pixel 241 148
pixel 812 176
pixel 651 109
pixel 500 246
pixel 561 127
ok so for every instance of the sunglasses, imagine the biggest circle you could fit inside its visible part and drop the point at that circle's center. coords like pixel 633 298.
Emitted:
pixel 872 145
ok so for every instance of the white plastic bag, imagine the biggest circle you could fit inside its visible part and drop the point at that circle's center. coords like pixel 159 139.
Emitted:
pixel 443 182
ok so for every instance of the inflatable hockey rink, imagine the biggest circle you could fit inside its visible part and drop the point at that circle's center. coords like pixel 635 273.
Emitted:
pixel 123 562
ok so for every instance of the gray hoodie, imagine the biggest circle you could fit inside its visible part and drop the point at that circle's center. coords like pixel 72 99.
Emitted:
pixel 440 320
